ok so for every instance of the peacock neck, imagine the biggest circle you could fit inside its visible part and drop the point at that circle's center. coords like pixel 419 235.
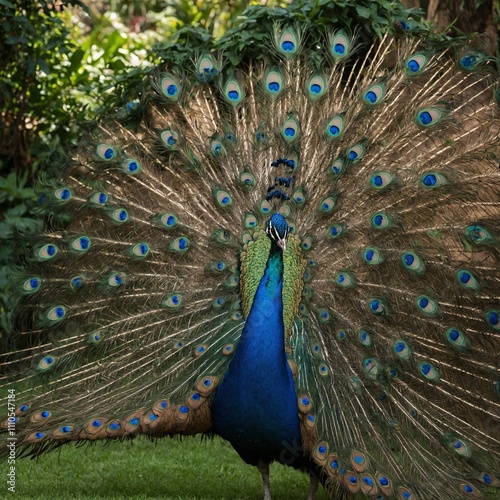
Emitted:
pixel 264 328
pixel 255 407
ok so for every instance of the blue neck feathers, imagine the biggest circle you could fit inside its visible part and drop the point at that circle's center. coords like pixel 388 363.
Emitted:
pixel 255 407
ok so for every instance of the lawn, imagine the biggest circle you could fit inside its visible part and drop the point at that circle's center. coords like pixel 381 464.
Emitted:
pixel 141 469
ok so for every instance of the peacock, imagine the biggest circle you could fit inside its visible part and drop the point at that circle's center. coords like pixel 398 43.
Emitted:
pixel 293 244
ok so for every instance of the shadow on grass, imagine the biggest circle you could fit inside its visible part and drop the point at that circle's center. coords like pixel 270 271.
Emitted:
pixel 141 469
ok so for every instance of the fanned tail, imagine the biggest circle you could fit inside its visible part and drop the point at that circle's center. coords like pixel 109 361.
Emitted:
pixel 385 164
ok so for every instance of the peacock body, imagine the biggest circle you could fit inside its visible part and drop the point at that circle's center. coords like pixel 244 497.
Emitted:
pixel 299 254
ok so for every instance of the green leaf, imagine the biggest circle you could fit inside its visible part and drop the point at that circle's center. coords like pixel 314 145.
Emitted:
pixel 363 12
pixel 43 66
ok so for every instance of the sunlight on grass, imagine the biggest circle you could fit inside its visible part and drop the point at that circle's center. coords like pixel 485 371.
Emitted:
pixel 139 470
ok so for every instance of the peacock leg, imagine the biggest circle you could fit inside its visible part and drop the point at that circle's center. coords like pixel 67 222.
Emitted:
pixel 264 470
pixel 313 487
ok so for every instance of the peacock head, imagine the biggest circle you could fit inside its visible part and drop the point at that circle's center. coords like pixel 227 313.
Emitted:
pixel 277 229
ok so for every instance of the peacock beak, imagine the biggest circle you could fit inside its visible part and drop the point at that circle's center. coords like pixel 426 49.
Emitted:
pixel 282 244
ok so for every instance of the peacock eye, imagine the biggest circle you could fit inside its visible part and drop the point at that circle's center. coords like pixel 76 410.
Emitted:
pixel 246 238
pixel 427 305
pixel 273 83
pixel 106 152
pixel 173 301
pixel 288 42
pixel 416 64
pixel 47 252
pixel 169 138
pixel 169 220
pixel 290 130
pixel 116 279
pixel 247 179
pixel 233 281
pixel 428 117
pixel 250 221
pixel 132 166
pixel 381 180
pixel 95 338
pixel 233 92
pixel 119 215
pixel 76 282
pixel 428 371
pixel 32 284
pixel 181 244
pixel 345 279
pixel 307 243
pixel 62 194
pixel 377 307
pixel 402 349
pixel 374 95
pixel 340 46
pixel 46 363
pixel 364 338
pixel 140 250
pixel 371 368
pixel 380 221
pixel 265 207
pixel 316 87
pixel 432 180
pixel 337 167
pixel 457 338
pixel 207 68
pixel 170 87
pixel 335 127
pixel 327 204
pixel 81 244
pixel 56 313
pixel 299 197
pixel 372 256
pixel 356 152
pixel 413 262
pixel 98 198
pixel 223 198
pixel 324 315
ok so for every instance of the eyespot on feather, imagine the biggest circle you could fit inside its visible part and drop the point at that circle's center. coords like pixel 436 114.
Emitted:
pixel 32 285
pixel 46 252
pixel 340 46
pixel 173 301
pixel 170 87
pixel 416 64
pixel 233 92
pixel 179 245
pixel 427 305
pixel 247 179
pixel 132 166
pixel 62 195
pixel 106 152
pixel 206 385
pixel 98 198
pixel 335 127
pixel 169 138
pixel 428 117
pixel 274 83
pixel 372 256
pixel 374 95
pixel 290 130
pixel 316 87
pixel 287 42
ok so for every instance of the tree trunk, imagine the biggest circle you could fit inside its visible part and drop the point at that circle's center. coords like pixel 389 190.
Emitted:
pixel 469 16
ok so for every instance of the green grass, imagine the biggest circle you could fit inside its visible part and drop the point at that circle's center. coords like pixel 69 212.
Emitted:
pixel 141 469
